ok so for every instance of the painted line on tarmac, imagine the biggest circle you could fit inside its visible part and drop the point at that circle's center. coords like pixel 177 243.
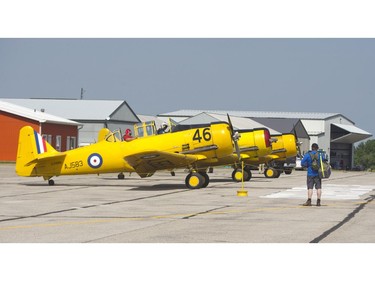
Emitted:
pixel 344 221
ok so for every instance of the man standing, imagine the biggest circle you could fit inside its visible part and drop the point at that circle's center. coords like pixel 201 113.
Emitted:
pixel 311 160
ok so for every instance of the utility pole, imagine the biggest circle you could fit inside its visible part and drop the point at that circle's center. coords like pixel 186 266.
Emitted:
pixel 82 93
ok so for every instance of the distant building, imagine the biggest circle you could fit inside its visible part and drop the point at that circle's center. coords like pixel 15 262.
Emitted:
pixel 61 133
pixel 335 133
pixel 92 114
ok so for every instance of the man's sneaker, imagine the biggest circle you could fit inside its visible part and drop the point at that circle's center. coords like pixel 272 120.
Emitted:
pixel 318 202
pixel 308 203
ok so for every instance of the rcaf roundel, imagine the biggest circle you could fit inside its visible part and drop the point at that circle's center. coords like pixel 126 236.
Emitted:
pixel 95 160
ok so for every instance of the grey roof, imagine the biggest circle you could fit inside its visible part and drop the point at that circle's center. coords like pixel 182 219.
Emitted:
pixel 36 115
pixel 77 109
pixel 252 114
pixel 239 123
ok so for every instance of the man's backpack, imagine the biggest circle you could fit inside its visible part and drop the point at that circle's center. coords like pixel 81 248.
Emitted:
pixel 315 161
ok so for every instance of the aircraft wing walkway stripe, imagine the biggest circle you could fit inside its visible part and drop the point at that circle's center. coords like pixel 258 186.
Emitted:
pixel 200 149
pixel 279 150
pixel 250 148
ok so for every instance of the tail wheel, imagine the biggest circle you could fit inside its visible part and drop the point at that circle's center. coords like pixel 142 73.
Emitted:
pixel 121 176
pixel 237 175
pixel 195 180
pixel 51 182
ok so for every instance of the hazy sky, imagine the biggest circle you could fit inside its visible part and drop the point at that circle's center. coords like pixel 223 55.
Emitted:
pixel 161 75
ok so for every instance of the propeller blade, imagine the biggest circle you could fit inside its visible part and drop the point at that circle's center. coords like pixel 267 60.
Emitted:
pixel 298 143
pixel 235 138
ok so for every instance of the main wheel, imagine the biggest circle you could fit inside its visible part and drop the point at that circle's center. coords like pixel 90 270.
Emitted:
pixel 51 182
pixel 248 171
pixel 237 175
pixel 194 180
pixel 120 176
pixel 270 173
pixel 206 179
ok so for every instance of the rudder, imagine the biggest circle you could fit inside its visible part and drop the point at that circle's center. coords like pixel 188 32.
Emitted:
pixel 31 145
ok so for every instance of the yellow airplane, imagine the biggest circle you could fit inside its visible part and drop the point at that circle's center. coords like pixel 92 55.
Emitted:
pixel 191 149
pixel 251 145
pixel 254 147
pixel 282 157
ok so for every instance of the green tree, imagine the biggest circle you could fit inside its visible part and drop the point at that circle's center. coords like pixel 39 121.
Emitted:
pixel 364 155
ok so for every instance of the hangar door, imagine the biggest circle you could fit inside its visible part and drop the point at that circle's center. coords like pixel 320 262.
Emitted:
pixel 343 137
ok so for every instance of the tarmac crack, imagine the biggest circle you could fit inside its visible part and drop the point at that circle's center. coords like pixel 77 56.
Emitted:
pixel 344 221
pixel 205 212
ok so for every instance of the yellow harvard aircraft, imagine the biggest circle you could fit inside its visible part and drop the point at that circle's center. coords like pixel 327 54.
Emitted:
pixel 253 147
pixel 282 157
pixel 250 145
pixel 191 149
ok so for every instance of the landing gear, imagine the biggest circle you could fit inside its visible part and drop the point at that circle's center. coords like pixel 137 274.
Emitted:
pixel 121 176
pixel 51 182
pixel 196 180
pixel 287 171
pixel 237 174
pixel 271 173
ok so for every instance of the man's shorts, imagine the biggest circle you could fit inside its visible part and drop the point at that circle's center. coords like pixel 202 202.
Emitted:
pixel 314 181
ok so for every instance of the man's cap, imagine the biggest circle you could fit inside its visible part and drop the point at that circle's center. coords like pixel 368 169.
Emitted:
pixel 315 146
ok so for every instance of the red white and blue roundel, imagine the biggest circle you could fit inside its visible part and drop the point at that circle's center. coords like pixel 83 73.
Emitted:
pixel 95 160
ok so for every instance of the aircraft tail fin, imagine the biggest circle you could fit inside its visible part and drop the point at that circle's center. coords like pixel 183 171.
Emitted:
pixel 31 146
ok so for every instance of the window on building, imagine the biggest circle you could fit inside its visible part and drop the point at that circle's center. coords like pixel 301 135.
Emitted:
pixel 67 143
pixel 73 142
pixel 47 138
pixel 58 143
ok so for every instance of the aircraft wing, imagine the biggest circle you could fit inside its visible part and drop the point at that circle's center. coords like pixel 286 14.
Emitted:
pixel 146 163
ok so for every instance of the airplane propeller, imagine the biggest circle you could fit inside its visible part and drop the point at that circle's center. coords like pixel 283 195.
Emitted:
pixel 235 137
pixel 298 143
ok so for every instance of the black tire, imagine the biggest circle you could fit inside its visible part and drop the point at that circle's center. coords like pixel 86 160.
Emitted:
pixel 206 179
pixel 120 176
pixel 248 171
pixel 51 182
pixel 269 172
pixel 237 175
pixel 194 181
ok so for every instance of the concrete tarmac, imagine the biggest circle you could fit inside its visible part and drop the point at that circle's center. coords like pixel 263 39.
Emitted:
pixel 160 209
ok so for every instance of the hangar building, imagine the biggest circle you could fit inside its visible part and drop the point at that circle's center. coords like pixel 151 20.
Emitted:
pixel 92 114
pixel 335 133
pixel 61 133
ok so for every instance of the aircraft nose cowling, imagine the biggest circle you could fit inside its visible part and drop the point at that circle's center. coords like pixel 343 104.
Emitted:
pixel 221 137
